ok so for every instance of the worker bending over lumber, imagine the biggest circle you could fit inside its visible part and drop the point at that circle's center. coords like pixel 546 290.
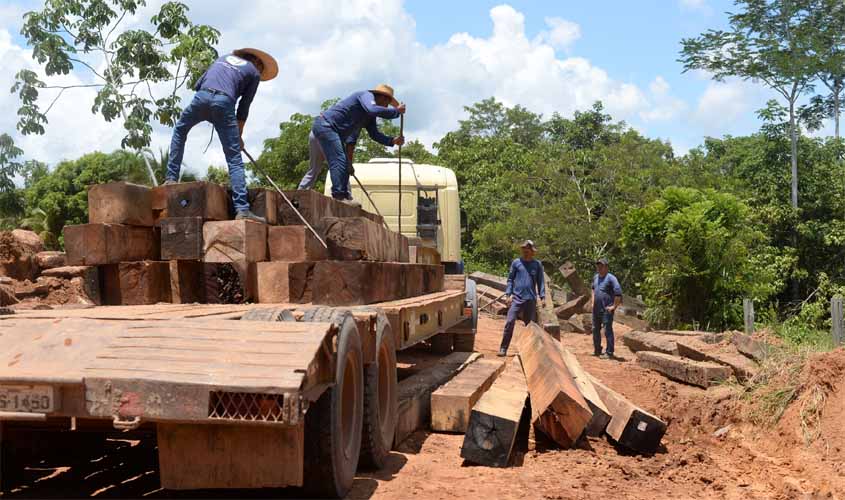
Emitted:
pixel 526 282
pixel 607 297
pixel 335 132
pixel 229 78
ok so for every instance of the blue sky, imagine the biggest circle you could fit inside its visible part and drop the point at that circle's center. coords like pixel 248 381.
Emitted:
pixel 440 56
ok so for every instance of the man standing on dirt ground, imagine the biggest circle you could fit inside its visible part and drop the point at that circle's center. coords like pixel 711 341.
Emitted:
pixel 229 78
pixel 335 132
pixel 526 282
pixel 607 297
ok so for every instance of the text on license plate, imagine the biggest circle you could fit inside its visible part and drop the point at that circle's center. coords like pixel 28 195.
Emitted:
pixel 27 398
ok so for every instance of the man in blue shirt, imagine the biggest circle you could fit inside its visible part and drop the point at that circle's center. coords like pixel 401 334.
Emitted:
pixel 229 78
pixel 607 297
pixel 526 282
pixel 335 132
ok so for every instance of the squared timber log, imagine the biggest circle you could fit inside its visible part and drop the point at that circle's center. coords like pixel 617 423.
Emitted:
pixel 699 373
pixel 98 244
pixel 120 203
pixel 423 255
pixel 452 404
pixel 262 202
pixel 359 238
pixel 638 341
pixel 314 207
pixel 234 241
pixel 207 200
pixel 294 244
pixel 283 282
pixel 601 415
pixel 350 283
pixel 497 419
pixel 557 407
pixel 181 238
pixel 187 282
pixel 135 283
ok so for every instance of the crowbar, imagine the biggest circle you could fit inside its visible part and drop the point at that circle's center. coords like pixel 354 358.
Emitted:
pixel 401 134
pixel 369 198
pixel 262 172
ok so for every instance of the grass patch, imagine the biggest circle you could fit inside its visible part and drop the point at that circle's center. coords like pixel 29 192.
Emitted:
pixel 775 386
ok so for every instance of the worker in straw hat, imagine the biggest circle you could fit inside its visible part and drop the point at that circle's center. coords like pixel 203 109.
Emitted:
pixel 335 132
pixel 526 282
pixel 231 77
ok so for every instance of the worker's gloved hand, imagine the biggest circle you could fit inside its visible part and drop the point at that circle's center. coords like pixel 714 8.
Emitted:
pixel 350 169
pixel 399 140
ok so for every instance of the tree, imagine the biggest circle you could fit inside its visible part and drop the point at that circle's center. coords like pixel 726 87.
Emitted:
pixel 769 41
pixel 142 70
pixel 285 157
pixel 829 47
pixel 217 175
pixel 11 204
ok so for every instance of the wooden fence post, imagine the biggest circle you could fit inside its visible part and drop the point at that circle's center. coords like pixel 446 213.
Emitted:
pixel 748 315
pixel 836 317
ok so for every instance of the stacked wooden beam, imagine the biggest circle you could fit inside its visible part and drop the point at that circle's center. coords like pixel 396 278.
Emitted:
pixel 178 243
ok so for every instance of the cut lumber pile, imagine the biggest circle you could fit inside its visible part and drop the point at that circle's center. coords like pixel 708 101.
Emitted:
pixel 135 283
pixel 339 283
pixel 557 407
pixel 120 203
pixel 630 426
pixel 497 418
pixel 283 282
pixel 696 350
pixel 181 238
pixel 601 414
pixel 99 244
pixel 206 200
pixel 638 341
pixel 359 238
pixel 454 281
pixel 419 254
pixel 294 244
pixel 492 281
pixel 709 337
pixel 698 373
pixel 487 300
pixel 451 404
pixel 754 349
pixel 315 207
pixel 188 282
pixel 415 392
pixel 234 241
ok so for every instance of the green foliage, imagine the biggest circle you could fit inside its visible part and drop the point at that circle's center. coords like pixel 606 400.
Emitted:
pixel 285 158
pixel 217 175
pixel 11 203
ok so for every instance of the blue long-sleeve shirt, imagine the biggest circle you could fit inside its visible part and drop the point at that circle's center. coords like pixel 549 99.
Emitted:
pixel 357 111
pixel 526 280
pixel 605 290
pixel 235 77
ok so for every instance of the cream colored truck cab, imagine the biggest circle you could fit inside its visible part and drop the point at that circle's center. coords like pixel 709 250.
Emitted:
pixel 430 206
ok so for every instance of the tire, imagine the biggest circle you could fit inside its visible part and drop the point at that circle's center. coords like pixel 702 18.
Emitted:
pixel 442 343
pixel 381 399
pixel 472 298
pixel 271 314
pixel 333 424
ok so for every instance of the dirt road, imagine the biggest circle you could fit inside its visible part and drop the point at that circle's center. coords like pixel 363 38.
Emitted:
pixel 744 463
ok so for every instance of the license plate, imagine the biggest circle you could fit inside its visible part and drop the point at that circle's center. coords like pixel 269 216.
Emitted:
pixel 27 398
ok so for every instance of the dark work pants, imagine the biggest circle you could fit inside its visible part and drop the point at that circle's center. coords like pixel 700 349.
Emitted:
pixel 603 318
pixel 527 311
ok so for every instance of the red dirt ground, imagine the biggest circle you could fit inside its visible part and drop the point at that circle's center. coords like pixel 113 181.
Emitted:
pixel 746 463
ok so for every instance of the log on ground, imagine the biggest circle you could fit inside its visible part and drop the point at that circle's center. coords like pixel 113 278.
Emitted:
pixel 696 350
pixel 749 347
pixel 630 426
pixel 638 341
pixel 120 203
pixel 570 274
pixel 573 307
pixel 699 373
pixel 359 238
pixel 496 419
pixel 451 404
pixel 557 407
pixel 601 414
pixel 349 283
pixel 98 244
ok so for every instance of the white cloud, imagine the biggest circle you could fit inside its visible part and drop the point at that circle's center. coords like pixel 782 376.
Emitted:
pixel 723 103
pixel 561 33
pixel 696 5
pixel 330 48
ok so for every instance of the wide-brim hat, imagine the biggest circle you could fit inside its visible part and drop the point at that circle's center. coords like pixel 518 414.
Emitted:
pixel 271 67
pixel 386 90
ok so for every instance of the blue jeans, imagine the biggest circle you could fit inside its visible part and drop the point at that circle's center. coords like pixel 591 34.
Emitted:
pixel 526 310
pixel 316 158
pixel 219 109
pixel 332 148
pixel 603 318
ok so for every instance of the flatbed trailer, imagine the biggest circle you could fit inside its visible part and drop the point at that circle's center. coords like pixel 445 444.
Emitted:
pixel 239 396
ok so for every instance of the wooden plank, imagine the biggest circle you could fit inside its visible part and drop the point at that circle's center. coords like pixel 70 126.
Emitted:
pixel 294 244
pixel 496 419
pixel 451 404
pixel 283 282
pixel 187 282
pixel 314 207
pixel 415 392
pixel 135 283
pixel 98 244
pixel 630 426
pixel 418 254
pixel 557 407
pixel 181 238
pixel 692 348
pixel 234 241
pixel 601 415
pixel 349 283
pixel 230 456
pixel 120 203
pixel 497 282
pixel 701 374
pixel 359 238
pixel 638 341
pixel 196 199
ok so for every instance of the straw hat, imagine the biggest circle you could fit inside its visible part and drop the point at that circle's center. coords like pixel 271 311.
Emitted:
pixel 271 67
pixel 386 90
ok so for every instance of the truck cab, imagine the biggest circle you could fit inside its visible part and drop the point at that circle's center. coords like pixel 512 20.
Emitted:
pixel 430 207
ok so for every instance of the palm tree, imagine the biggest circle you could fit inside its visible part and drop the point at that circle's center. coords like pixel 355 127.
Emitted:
pixel 38 222
pixel 159 166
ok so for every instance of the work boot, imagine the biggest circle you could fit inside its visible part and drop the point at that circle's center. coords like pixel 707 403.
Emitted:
pixel 354 203
pixel 170 182
pixel 248 215
pixel 502 353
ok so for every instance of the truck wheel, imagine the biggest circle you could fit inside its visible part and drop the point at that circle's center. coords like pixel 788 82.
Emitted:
pixel 270 314
pixel 381 398
pixel 472 299
pixel 442 343
pixel 333 424
pixel 10 470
